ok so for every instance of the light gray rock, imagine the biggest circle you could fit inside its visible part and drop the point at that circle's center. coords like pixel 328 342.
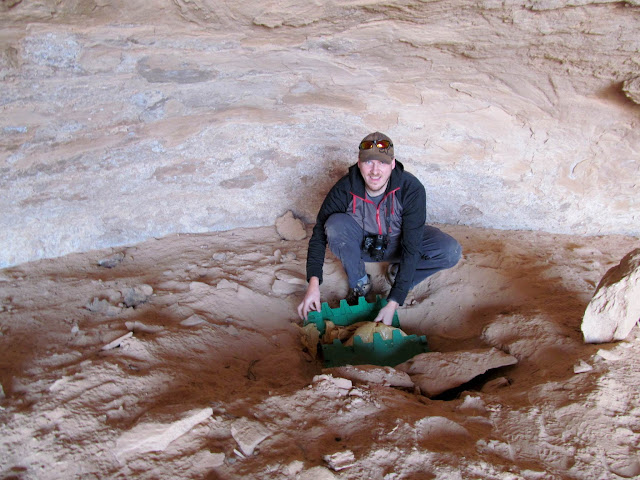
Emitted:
pixel 332 386
pixel 135 296
pixel 582 367
pixel 138 326
pixel 156 437
pixel 112 260
pixel 472 405
pixel 439 427
pixel 192 321
pixel 248 434
pixel 103 307
pixel 117 342
pixel 436 372
pixel 372 374
pixel 209 459
pixel 290 228
pixel 224 284
pixel 624 461
pixel 615 307
pixel 294 468
pixel 608 355
pixel 340 460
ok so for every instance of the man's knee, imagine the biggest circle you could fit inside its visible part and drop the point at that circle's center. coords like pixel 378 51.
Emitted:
pixel 453 252
pixel 333 225
pixel 441 246
pixel 339 226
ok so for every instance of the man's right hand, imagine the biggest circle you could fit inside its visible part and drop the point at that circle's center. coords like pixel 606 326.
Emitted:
pixel 311 299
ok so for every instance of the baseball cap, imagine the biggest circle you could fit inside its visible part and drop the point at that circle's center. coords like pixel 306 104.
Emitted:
pixel 376 146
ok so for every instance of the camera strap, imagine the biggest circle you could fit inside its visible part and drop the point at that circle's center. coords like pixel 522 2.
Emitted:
pixel 387 213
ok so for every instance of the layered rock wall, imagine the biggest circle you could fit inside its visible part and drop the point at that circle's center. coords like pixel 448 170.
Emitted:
pixel 123 120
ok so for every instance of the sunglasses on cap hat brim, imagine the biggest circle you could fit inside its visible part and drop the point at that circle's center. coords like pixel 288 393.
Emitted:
pixel 369 144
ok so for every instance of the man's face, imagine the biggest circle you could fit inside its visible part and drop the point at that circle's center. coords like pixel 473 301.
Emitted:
pixel 376 175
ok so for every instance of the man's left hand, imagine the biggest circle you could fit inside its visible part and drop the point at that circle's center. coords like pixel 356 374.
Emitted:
pixel 385 315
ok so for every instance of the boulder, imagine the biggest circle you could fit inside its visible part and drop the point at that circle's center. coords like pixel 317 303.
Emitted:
pixel 436 372
pixel 615 306
pixel 290 228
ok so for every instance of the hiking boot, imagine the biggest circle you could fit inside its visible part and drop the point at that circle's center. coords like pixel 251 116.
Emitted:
pixel 360 290
pixel 392 271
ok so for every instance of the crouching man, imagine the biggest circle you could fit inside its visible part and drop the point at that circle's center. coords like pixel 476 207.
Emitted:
pixel 377 213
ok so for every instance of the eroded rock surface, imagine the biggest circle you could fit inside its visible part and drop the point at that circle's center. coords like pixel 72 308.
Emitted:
pixel 135 119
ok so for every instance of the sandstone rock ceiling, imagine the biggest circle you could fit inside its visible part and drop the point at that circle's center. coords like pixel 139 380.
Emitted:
pixel 127 120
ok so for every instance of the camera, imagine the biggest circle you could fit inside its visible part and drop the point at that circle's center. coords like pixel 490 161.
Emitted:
pixel 376 245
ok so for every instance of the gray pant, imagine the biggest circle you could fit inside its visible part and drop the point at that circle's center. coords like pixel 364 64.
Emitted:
pixel 438 251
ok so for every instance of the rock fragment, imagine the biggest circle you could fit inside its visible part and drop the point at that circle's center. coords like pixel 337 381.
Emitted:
pixel 117 342
pixel 280 287
pixel 287 282
pixel 294 468
pixel 624 462
pixel 248 434
pixel 104 307
pixel 372 374
pixel 137 326
pixel 290 228
pixel 227 284
pixel 631 89
pixel 293 278
pixel 615 307
pixel 438 428
pixel 192 321
pixel 156 437
pixel 340 460
pixel 608 355
pixel 134 296
pixel 435 372
pixel 472 405
pixel 582 367
pixel 219 257
pixel 112 260
pixel 331 386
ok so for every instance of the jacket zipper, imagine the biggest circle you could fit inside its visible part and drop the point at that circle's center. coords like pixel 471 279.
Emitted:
pixel 383 201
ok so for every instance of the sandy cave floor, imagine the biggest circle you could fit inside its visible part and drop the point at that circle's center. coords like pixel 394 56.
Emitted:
pixel 220 332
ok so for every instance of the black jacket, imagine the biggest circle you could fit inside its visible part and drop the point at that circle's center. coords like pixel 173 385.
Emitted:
pixel 411 196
